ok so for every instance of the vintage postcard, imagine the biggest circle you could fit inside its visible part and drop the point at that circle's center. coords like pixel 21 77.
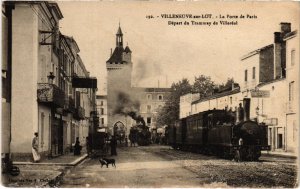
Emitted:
pixel 150 94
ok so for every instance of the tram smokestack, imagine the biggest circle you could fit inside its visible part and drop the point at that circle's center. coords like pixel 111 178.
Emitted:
pixel 246 104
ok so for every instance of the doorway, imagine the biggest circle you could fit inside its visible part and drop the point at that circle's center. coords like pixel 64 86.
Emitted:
pixel 279 141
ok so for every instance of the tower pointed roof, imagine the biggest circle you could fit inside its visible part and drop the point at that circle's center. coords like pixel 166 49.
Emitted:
pixel 119 32
pixel 127 49
pixel 117 55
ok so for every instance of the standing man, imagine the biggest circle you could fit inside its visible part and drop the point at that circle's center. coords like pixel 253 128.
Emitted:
pixel 126 141
pixel 241 112
pixel 239 151
pixel 35 148
pixel 88 145
pixel 77 147
pixel 113 146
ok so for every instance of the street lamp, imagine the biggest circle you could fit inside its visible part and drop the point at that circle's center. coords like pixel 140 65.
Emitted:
pixel 50 77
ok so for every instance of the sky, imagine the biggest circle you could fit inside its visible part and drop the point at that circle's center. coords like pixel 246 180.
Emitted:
pixel 164 53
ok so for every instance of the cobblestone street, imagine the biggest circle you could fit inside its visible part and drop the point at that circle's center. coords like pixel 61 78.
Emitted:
pixel 101 94
pixel 161 166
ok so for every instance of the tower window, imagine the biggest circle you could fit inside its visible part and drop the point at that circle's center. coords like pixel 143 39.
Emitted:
pixel 148 120
pixel 246 75
pixel 160 97
pixel 149 97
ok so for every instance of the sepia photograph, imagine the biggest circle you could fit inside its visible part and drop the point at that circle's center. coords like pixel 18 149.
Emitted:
pixel 150 94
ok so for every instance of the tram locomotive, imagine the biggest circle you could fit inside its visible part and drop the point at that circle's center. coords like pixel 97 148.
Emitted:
pixel 215 132
pixel 141 135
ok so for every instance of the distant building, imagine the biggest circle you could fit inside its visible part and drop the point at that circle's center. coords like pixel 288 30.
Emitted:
pixel 151 101
pixel 223 100
pixel 102 110
pixel 186 104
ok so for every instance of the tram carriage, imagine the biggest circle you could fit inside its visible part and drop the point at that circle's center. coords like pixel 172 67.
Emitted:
pixel 215 132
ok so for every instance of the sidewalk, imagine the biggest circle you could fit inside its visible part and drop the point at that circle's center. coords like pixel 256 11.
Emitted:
pixel 279 154
pixel 47 173
pixel 64 160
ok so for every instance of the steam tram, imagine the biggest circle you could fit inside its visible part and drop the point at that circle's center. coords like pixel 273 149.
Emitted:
pixel 215 132
pixel 140 134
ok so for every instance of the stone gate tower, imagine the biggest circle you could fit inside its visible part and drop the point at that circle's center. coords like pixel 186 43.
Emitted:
pixel 119 68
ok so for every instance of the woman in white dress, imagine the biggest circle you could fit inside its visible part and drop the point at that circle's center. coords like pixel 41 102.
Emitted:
pixel 35 148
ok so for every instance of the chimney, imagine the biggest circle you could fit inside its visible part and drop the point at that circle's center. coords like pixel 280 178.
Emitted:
pixel 277 54
pixel 277 37
pixel 246 104
pixel 280 50
pixel 285 28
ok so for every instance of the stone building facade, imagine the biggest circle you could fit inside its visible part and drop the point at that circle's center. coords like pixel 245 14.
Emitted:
pixel 270 80
pixel 119 69
pixel 42 64
pixel 292 86
pixel 275 77
pixel 151 101
pixel 142 101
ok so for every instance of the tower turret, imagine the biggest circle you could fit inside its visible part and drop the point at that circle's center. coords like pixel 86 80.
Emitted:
pixel 119 69
pixel 119 37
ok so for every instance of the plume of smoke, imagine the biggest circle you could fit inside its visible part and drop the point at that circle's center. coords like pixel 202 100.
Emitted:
pixel 144 69
pixel 125 105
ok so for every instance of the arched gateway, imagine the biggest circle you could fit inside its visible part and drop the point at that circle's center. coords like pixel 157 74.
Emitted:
pixel 119 131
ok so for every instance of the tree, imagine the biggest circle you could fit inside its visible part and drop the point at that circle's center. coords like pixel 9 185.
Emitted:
pixel 227 85
pixel 169 113
pixel 203 85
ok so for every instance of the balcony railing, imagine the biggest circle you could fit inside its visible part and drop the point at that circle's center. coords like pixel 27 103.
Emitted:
pixel 290 107
pixel 79 113
pixel 50 93
pixel 69 105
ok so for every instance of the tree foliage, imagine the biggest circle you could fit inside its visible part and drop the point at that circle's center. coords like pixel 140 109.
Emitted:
pixel 203 85
pixel 169 113
pixel 226 85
